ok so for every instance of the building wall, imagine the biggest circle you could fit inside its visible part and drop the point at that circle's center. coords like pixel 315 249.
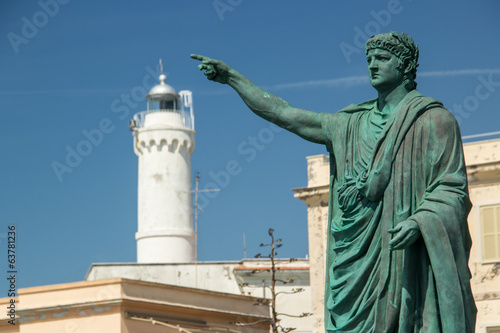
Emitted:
pixel 249 277
pixel 294 296
pixel 131 306
pixel 315 196
pixel 215 276
pixel 483 170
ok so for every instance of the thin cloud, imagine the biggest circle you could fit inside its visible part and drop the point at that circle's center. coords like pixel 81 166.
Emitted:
pixel 348 81
pixel 351 81
pixel 62 91
pixel 461 72
pixel 345 82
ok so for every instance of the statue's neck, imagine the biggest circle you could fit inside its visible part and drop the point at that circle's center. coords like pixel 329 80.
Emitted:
pixel 389 100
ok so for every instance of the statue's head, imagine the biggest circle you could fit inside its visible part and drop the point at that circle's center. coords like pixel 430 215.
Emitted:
pixel 405 50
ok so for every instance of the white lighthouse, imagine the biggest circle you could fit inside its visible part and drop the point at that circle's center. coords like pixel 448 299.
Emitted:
pixel 164 142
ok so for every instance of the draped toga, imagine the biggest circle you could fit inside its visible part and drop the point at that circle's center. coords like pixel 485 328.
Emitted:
pixel 386 169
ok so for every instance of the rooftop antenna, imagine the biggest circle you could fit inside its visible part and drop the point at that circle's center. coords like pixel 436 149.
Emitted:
pixel 163 77
pixel 245 249
pixel 196 208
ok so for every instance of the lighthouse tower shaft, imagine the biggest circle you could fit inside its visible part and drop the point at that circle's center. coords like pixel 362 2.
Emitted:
pixel 164 142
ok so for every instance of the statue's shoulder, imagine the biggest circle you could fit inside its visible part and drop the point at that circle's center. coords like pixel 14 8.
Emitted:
pixel 436 114
pixel 349 111
pixel 365 106
pixel 434 107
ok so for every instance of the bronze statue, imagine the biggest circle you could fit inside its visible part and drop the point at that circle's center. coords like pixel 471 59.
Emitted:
pixel 399 242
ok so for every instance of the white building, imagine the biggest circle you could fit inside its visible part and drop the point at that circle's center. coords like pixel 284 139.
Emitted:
pixel 164 142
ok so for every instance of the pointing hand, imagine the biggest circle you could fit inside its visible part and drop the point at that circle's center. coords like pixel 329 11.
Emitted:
pixel 215 70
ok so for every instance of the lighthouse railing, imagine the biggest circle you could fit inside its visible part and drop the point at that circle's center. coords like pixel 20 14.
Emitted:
pixel 185 110
pixel 139 118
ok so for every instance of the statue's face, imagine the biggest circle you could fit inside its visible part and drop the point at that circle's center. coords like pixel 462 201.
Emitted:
pixel 383 70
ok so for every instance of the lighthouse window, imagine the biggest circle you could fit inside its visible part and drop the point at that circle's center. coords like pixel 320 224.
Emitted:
pixel 167 105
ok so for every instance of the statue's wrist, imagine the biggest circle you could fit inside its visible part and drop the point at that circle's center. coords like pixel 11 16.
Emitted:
pixel 233 77
pixel 413 223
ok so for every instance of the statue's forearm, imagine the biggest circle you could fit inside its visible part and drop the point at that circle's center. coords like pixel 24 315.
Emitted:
pixel 261 102
pixel 304 123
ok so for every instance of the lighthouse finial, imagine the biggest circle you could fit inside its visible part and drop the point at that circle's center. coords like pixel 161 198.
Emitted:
pixel 163 77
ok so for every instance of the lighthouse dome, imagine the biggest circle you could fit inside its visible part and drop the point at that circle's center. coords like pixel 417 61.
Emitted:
pixel 162 91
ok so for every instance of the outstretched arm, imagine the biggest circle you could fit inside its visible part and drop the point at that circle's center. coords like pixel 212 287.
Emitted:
pixel 306 124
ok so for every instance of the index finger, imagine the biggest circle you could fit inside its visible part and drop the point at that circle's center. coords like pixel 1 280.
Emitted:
pixel 205 60
pixel 198 57
pixel 394 230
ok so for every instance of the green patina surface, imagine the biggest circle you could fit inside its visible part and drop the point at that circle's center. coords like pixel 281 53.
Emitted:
pixel 398 241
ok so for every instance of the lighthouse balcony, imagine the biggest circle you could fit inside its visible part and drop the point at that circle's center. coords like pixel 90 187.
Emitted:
pixel 178 114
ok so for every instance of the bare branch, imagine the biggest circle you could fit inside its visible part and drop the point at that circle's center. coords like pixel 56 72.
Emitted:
pixel 293 291
pixel 302 315
pixel 274 320
pixel 250 324
pixel 262 301
pixel 286 329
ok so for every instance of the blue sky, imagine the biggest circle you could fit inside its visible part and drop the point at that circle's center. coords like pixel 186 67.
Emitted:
pixel 66 68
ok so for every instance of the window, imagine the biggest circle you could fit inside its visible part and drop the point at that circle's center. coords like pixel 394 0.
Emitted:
pixel 490 232
pixel 495 329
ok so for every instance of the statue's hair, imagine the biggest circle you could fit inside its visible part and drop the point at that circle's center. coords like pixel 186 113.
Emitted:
pixel 405 50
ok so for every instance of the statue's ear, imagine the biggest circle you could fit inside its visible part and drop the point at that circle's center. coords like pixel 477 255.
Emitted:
pixel 407 67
